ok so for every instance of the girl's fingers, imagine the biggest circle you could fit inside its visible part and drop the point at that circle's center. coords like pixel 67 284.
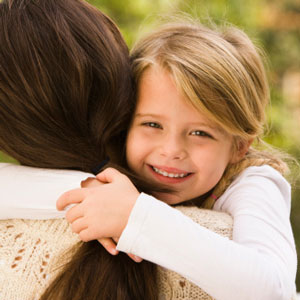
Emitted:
pixel 109 245
pixel 109 175
pixel 135 257
pixel 70 197
pixel 132 256
pixel 86 235
pixel 90 182
pixel 74 213
pixel 79 225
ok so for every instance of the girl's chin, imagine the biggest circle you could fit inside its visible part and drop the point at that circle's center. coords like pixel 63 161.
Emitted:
pixel 168 198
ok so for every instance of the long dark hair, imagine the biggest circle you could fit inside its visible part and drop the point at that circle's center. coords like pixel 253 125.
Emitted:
pixel 65 102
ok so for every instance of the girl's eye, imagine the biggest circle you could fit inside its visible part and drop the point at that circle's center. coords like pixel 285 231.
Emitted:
pixel 152 124
pixel 200 133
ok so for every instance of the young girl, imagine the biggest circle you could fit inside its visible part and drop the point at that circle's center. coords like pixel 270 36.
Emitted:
pixel 201 99
pixel 201 103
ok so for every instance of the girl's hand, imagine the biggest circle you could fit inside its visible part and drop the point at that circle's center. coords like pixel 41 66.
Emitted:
pixel 108 243
pixel 90 182
pixel 102 211
pixel 110 246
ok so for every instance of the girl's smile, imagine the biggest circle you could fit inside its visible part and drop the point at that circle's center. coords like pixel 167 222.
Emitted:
pixel 172 143
pixel 169 175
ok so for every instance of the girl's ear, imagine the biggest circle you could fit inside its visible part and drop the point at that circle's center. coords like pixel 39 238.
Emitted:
pixel 241 150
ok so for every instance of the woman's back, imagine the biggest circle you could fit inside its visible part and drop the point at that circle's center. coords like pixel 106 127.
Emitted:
pixel 32 252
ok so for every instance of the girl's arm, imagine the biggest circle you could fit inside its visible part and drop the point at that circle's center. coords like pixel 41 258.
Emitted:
pixel 31 193
pixel 260 262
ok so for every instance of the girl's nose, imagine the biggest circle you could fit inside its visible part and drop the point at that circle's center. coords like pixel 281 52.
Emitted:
pixel 173 147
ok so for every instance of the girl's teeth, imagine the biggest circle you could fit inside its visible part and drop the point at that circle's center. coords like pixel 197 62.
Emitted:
pixel 171 175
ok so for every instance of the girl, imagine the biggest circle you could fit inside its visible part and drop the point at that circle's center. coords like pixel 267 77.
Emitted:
pixel 201 100
pixel 202 96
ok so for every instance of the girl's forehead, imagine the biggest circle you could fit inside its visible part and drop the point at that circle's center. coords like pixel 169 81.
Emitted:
pixel 159 96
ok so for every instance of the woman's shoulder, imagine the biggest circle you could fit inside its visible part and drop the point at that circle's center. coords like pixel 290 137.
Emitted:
pixel 20 170
pixel 28 192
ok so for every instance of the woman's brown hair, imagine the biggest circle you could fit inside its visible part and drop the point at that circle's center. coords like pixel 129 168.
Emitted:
pixel 65 102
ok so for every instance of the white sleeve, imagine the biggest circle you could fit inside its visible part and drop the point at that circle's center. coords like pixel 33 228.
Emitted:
pixel 260 262
pixel 31 193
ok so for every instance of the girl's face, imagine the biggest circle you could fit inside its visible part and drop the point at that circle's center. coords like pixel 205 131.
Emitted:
pixel 172 143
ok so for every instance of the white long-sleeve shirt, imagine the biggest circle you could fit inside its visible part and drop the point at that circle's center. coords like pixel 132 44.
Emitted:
pixel 31 193
pixel 260 262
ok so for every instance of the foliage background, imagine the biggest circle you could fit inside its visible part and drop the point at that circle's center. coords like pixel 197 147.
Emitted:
pixel 274 24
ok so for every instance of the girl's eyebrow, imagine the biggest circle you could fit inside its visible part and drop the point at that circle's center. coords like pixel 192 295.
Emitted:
pixel 140 115
pixel 202 124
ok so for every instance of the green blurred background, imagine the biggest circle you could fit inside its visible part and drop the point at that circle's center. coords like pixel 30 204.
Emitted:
pixel 273 24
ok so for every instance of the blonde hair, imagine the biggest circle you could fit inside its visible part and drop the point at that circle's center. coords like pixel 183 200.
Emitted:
pixel 222 74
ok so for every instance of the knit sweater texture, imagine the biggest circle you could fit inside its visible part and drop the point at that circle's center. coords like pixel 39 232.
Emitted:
pixel 32 250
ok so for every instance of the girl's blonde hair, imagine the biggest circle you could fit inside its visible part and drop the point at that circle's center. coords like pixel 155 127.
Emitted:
pixel 221 73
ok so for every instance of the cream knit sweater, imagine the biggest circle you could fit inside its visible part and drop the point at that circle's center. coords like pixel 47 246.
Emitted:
pixel 29 250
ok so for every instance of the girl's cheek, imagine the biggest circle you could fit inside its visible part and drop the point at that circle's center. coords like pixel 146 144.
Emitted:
pixel 141 138
pixel 134 147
